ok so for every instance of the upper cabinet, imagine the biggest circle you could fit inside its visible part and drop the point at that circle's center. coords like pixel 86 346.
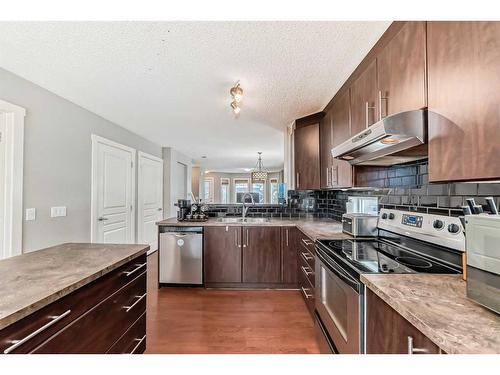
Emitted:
pixel 401 71
pixel 364 103
pixel 341 171
pixel 326 144
pixel 464 97
pixel 306 152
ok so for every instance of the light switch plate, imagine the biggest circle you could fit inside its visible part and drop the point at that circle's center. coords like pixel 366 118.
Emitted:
pixel 30 214
pixel 58 211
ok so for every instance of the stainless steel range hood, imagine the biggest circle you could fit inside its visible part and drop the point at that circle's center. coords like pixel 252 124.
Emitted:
pixel 395 139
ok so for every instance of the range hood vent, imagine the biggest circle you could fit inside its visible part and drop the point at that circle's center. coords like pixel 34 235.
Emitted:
pixel 395 139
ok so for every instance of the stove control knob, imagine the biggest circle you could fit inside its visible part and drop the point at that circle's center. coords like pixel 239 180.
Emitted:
pixel 391 216
pixel 438 224
pixel 453 228
pixel 384 216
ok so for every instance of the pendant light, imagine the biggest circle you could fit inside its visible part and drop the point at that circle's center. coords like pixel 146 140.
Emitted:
pixel 237 95
pixel 259 174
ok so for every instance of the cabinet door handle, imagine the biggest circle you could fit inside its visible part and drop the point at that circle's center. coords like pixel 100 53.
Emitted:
pixel 139 299
pixel 328 177
pixel 367 109
pixel 236 238
pixel 298 179
pixel 412 350
pixel 305 293
pixel 247 239
pixel 286 234
pixel 138 344
pixel 380 99
pixel 307 256
pixel 139 266
pixel 304 269
pixel 18 343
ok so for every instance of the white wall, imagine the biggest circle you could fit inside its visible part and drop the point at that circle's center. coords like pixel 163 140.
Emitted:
pixel 57 160
pixel 288 168
pixel 170 158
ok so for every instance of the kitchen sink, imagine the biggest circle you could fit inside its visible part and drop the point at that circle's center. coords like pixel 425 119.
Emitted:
pixel 243 220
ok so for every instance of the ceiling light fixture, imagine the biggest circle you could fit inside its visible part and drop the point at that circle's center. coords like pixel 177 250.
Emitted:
pixel 237 94
pixel 259 174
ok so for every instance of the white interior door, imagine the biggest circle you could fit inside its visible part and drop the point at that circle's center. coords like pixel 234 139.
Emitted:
pixel 150 199
pixel 113 192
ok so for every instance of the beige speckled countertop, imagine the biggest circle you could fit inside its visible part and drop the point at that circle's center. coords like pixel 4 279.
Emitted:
pixel 437 305
pixel 31 281
pixel 314 228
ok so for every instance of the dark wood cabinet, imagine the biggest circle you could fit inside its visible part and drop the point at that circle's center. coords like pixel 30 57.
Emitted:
pixel 261 254
pixel 464 97
pixel 91 319
pixel 306 155
pixel 305 269
pixel 363 91
pixel 341 171
pixel 326 144
pixel 222 254
pixel 387 332
pixel 401 70
pixel 289 255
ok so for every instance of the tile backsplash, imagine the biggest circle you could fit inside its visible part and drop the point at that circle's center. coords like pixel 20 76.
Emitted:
pixel 404 187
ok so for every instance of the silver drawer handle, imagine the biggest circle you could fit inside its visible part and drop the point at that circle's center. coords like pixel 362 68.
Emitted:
pixel 305 293
pixel 138 344
pixel 18 343
pixel 139 266
pixel 307 256
pixel 307 242
pixel 304 269
pixel 140 298
pixel 412 350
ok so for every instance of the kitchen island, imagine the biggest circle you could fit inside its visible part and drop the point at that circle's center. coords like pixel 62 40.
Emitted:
pixel 49 297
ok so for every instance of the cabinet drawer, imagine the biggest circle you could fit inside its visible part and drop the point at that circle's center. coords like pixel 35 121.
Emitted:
pixel 307 271
pixel 306 242
pixel 44 323
pixel 306 256
pixel 307 291
pixel 102 326
pixel 133 341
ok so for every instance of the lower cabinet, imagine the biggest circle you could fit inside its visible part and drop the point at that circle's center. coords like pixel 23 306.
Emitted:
pixel 90 320
pixel 305 270
pixel 250 256
pixel 387 332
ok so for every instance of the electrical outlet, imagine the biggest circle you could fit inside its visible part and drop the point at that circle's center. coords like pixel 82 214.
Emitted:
pixel 30 214
pixel 58 211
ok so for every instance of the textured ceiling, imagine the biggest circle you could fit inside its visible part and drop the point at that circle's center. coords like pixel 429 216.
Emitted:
pixel 169 81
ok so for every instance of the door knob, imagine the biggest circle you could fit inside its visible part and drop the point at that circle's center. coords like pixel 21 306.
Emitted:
pixel 160 209
pixel 102 218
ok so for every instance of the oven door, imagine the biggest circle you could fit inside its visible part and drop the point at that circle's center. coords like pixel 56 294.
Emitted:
pixel 338 303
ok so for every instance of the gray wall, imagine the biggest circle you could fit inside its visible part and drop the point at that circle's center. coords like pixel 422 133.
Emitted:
pixel 57 160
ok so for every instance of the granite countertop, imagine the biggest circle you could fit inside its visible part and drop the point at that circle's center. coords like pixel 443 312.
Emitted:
pixel 31 281
pixel 314 228
pixel 437 305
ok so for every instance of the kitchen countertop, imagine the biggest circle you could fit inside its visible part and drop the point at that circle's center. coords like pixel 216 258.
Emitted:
pixel 437 305
pixel 31 281
pixel 314 228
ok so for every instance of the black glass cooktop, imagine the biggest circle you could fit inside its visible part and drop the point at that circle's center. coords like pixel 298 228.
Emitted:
pixel 376 256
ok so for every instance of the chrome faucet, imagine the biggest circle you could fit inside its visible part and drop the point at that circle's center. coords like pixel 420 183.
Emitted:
pixel 245 207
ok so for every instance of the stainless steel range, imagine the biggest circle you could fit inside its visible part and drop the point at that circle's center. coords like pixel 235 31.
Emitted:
pixel 407 242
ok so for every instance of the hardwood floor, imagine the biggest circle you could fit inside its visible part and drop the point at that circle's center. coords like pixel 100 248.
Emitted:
pixel 197 320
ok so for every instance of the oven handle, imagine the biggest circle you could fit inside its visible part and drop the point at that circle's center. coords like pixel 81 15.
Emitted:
pixel 338 271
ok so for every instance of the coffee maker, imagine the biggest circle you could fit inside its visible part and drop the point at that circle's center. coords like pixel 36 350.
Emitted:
pixel 184 206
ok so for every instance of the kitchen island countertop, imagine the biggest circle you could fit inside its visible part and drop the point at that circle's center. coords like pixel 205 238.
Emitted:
pixel 33 280
pixel 314 228
pixel 438 307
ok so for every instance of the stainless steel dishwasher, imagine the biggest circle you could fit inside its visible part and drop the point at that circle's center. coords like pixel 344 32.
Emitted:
pixel 181 256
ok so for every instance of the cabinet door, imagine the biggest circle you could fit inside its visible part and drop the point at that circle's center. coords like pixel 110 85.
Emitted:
pixel 387 332
pixel 307 163
pixel 464 97
pixel 364 109
pixel 222 254
pixel 401 70
pixel 341 174
pixel 261 254
pixel 289 255
pixel 326 137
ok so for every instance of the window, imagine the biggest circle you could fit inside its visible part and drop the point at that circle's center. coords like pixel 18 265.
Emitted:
pixel 258 191
pixel 273 182
pixel 209 190
pixel 224 190
pixel 240 188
